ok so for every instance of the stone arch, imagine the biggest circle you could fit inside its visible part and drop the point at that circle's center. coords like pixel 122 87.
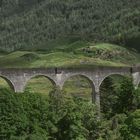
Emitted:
pixel 106 89
pixel 82 75
pixel 39 75
pixel 9 82
pixel 91 82
pixel 108 75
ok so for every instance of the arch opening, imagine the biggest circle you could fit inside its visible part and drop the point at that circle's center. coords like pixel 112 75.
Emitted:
pixel 40 84
pixel 79 86
pixel 5 83
pixel 109 93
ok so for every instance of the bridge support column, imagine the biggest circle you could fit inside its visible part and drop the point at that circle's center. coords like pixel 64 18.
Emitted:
pixel 19 89
pixel 60 79
pixel 19 83
pixel 97 102
pixel 136 79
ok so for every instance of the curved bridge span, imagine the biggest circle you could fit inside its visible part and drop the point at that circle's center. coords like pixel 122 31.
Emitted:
pixel 19 77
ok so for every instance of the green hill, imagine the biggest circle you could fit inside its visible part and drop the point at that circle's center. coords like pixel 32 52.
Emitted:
pixel 26 24
pixel 75 54
pixel 59 33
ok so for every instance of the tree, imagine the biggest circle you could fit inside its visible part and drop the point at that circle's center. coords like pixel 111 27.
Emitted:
pixel 125 96
pixel 131 128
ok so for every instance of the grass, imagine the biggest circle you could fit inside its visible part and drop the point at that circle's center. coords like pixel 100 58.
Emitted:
pixel 40 85
pixel 78 86
pixel 3 84
pixel 70 54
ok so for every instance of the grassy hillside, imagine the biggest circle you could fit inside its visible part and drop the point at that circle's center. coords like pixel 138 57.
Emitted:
pixel 77 54
pixel 26 24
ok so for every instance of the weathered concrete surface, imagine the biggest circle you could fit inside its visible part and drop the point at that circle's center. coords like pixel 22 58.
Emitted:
pixel 18 78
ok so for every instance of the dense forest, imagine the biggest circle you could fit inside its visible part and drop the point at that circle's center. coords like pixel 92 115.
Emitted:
pixel 29 24
pixel 59 116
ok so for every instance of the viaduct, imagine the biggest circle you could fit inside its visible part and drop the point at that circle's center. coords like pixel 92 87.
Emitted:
pixel 18 78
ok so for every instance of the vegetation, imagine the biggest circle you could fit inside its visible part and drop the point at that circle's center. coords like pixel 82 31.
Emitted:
pixel 31 116
pixel 69 33
pixel 33 24
pixel 76 54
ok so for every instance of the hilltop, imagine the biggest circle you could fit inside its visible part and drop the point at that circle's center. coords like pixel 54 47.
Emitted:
pixel 74 54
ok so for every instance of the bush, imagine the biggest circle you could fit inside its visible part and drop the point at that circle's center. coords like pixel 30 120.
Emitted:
pixel 30 116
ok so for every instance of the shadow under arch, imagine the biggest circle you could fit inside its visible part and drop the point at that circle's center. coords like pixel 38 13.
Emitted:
pixel 40 83
pixel 8 81
pixel 80 83
pixel 108 94
pixel 111 75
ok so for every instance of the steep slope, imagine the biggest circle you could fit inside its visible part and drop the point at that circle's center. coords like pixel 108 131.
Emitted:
pixel 31 24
